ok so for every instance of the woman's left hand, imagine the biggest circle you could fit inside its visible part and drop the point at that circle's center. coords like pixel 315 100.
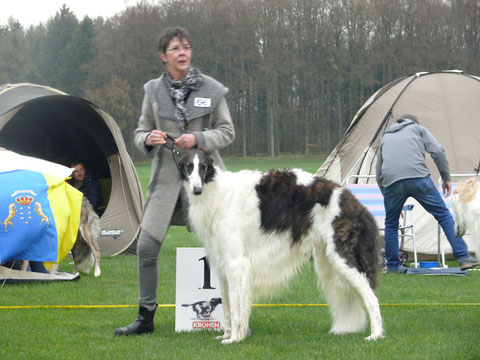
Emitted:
pixel 186 141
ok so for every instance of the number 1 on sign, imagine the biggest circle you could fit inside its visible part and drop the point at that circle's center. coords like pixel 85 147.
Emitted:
pixel 206 274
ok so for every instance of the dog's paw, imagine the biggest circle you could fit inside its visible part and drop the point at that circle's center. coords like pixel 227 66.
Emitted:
pixel 374 337
pixel 230 341
pixel 97 273
pixel 225 335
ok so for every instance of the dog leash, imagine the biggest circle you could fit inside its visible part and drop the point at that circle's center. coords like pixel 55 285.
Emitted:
pixel 174 151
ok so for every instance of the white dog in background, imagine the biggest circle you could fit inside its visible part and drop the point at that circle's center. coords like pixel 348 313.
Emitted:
pixel 466 205
pixel 259 228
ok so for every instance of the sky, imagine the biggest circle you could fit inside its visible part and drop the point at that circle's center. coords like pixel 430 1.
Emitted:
pixel 32 12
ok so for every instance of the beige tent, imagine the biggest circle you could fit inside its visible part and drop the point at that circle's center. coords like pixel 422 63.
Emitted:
pixel 48 124
pixel 447 103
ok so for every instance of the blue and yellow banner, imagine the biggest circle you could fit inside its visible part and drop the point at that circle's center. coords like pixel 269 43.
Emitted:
pixel 39 216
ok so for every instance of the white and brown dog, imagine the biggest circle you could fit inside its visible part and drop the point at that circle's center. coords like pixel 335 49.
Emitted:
pixel 466 205
pixel 259 228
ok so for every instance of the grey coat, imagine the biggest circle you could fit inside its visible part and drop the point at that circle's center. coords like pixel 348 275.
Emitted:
pixel 402 154
pixel 213 128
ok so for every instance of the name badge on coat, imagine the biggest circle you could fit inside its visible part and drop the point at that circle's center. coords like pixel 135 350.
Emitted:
pixel 202 102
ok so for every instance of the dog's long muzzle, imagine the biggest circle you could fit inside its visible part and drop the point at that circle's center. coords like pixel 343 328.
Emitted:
pixel 197 190
pixel 196 183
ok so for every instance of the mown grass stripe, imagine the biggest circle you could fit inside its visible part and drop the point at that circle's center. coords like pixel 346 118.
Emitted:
pixel 173 305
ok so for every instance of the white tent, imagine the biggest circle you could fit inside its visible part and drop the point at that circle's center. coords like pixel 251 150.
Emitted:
pixel 447 103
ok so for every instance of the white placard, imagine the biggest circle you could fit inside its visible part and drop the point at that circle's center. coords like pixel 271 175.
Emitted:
pixel 202 102
pixel 198 297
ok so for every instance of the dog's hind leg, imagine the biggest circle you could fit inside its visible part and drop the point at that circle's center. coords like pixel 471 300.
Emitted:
pixel 96 255
pixel 237 272
pixel 475 235
pixel 88 236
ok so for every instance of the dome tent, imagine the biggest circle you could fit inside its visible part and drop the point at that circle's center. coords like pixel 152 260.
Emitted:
pixel 446 103
pixel 46 123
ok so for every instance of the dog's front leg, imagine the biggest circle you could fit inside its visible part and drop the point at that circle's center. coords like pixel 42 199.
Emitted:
pixel 239 292
pixel 226 307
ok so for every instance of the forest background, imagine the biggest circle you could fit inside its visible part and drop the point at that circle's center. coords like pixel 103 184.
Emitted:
pixel 297 70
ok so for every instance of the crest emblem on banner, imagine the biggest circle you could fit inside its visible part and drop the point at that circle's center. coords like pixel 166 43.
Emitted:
pixel 24 211
pixel 24 204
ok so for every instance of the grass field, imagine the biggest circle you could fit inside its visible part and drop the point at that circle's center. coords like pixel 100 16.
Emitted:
pixel 425 317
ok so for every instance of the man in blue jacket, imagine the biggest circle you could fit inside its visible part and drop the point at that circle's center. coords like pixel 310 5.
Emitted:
pixel 87 185
pixel 402 173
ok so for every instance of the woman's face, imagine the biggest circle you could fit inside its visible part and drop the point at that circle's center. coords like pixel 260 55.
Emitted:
pixel 177 57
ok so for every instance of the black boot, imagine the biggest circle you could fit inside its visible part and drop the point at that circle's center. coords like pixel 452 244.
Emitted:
pixel 143 324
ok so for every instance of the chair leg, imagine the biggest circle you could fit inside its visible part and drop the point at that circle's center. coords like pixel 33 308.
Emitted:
pixel 441 248
pixel 415 256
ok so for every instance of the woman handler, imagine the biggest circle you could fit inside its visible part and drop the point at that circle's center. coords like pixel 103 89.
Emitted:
pixel 191 108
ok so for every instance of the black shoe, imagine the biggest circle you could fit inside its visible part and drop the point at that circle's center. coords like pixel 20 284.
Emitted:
pixel 396 271
pixel 401 269
pixel 143 324
pixel 468 263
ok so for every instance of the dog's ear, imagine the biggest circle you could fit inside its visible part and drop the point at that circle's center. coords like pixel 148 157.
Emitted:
pixel 210 172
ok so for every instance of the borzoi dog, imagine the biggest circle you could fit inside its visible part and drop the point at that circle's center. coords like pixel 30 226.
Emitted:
pixel 85 252
pixel 466 205
pixel 258 229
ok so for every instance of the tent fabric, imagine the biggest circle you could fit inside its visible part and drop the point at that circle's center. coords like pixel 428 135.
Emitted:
pixel 11 276
pixel 446 103
pixel 46 123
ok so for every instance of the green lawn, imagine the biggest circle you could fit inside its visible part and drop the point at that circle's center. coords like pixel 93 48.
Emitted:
pixel 425 317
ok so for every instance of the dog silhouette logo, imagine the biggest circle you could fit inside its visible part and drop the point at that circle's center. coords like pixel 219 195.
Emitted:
pixel 204 309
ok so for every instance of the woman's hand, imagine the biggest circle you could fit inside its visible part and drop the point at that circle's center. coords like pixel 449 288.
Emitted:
pixel 186 141
pixel 156 137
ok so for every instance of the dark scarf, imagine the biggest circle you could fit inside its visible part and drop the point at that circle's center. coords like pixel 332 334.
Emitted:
pixel 179 90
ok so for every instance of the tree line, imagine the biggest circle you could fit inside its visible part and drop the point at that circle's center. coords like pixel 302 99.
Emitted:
pixel 297 70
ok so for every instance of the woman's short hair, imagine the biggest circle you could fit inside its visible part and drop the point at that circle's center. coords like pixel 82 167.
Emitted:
pixel 168 34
